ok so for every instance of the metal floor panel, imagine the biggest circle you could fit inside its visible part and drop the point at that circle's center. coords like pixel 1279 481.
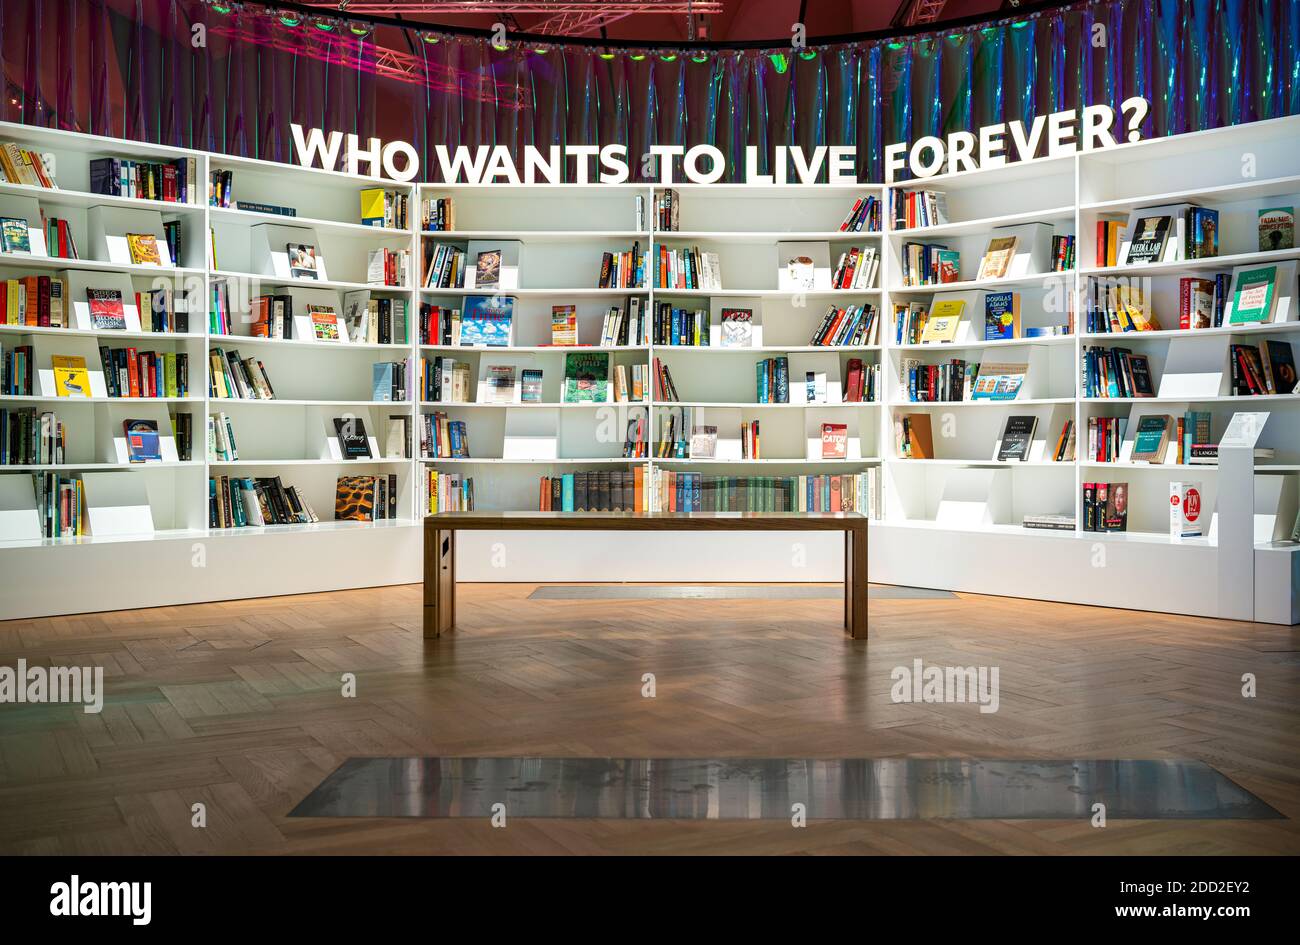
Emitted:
pixel 715 592
pixel 766 789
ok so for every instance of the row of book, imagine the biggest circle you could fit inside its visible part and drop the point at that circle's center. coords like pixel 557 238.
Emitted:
pixel 1116 372
pixel 668 206
pixel 35 302
pixel 1063 253
pixel 239 502
pixel 934 383
pixel 59 240
pixel 857 268
pixel 620 326
pixel 675 326
pixel 222 447
pixel 772 384
pixel 443 438
pixel 604 490
pixel 1161 234
pixel 1259 370
pixel 366 498
pixel 31 439
pixel 929 264
pixel 846 326
pixel 862 382
pixel 132 373
pixel 910 209
pixel 864 217
pixel 687 268
pixel 173 182
pixel 1119 306
pixel 60 504
pixel 444 380
pixel 448 492
pixel 675 491
pixel 17 370
pixel 1105 506
pixel 438 214
pixel 388 267
pixel 19 165
pixel 385 209
pixel 444 266
pixel 234 378
pixel 625 270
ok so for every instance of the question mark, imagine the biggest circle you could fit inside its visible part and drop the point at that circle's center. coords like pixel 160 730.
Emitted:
pixel 1139 107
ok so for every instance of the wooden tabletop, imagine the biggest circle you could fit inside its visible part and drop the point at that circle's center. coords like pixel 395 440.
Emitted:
pixel 648 521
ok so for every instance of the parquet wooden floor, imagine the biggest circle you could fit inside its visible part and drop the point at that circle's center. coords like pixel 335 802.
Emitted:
pixel 238 705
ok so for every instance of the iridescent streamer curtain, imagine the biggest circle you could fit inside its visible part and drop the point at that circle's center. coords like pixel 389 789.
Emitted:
pixel 229 77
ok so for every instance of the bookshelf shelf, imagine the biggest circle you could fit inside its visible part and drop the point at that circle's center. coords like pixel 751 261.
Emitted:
pixel 1069 194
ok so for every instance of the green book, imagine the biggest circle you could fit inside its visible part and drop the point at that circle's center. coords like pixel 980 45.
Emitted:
pixel 1255 295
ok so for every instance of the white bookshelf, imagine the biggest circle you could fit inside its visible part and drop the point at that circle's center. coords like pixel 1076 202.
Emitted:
pixel 561 231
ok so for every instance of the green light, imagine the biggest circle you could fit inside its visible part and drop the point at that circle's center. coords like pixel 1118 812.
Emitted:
pixel 1020 25
pixel 324 26
pixel 669 57
pixel 606 55
pixel 222 8
pixel 780 62
pixel 700 57
pixel 289 20
pixel 359 30
pixel 431 40
pixel 896 45
pixel 637 57
pixel 501 48
pixel 810 54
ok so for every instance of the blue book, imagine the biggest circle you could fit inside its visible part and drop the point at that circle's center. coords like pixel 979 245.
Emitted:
pixel 487 320
pixel 381 385
pixel 566 492
pixel 142 443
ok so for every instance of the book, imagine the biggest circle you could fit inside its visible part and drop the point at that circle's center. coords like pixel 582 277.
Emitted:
pixel 944 320
pixel 999 381
pixel 354 498
pixel 704 442
pixel 1001 316
pixel 586 378
pixel 71 379
pixel 737 327
pixel 1052 522
pixel 372 206
pixel 997 257
pixel 487 320
pixel 564 325
pixel 835 441
pixel 1153 438
pixel 487 271
pixel 1148 243
pixel 14 235
pixel 142 443
pixel 302 261
pixel 530 386
pixel 913 438
pixel 1115 511
pixel 144 249
pixel 1185 510
pixel 500 384
pixel 106 309
pixel 1278 363
pixel 324 323
pixel 1254 295
pixel 1276 229
pixel 353 441
pixel 1017 438
pixel 949 265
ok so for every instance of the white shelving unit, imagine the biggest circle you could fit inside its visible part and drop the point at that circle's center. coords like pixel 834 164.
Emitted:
pixel 562 230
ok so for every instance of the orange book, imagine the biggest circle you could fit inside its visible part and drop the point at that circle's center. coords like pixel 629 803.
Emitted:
pixel 32 287
pixel 638 489
pixel 672 492
pixel 835 493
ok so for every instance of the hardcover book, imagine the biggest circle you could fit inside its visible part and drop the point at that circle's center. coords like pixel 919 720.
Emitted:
pixel 1185 510
pixel 1115 512
pixel 949 265
pixel 999 381
pixel 1017 438
pixel 586 378
pixel 14 236
pixel 530 386
pixel 1148 243
pixel 835 441
pixel 302 261
pixel 487 320
pixel 354 499
pixel 704 442
pixel 1255 296
pixel 945 319
pixel 500 383
pixel 737 327
pixel 324 323
pixel 142 443
pixel 1276 229
pixel 353 441
pixel 106 309
pixel 144 249
pixel 564 325
pixel 997 258
pixel 1001 316
pixel 488 270
pixel 1152 438
pixel 71 379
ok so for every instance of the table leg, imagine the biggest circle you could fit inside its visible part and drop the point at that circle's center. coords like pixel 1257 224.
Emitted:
pixel 440 584
pixel 855 583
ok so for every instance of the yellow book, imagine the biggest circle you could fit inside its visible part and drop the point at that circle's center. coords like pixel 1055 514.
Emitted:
pixel 144 249
pixel 945 317
pixel 13 302
pixel 71 379
pixel 372 206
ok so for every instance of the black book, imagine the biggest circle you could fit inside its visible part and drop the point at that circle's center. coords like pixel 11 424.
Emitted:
pixel 353 442
pixel 580 492
pixel 1017 438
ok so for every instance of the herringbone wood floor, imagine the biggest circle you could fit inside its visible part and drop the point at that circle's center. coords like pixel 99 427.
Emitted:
pixel 238 705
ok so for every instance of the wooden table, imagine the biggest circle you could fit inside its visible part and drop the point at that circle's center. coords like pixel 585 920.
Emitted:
pixel 440 546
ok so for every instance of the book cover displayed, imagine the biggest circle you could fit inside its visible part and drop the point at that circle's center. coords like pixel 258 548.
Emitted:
pixel 999 381
pixel 835 441
pixel 500 382
pixel 487 271
pixel 944 320
pixel 802 272
pixel 704 442
pixel 1278 363
pixel 1001 316
pixel 1185 510
pixel 71 379
pixel 1201 227
pixel 106 309
pixel 324 323
pixel 1196 303
pixel 372 206
pixel 302 261
pixel 564 325
pixel 1017 438
pixel 144 249
pixel 14 235
pixel 997 258
pixel 913 437
pixel 1153 438
pixel 949 265
pixel 737 327
pixel 353 441
pixel 586 378
pixel 354 498
pixel 1276 229
pixel 1115 509
pixel 1148 244
pixel 1254 297
pixel 142 443
pixel 487 320
pixel 530 386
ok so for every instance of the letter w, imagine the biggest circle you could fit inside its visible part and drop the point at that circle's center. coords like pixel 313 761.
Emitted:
pixel 314 148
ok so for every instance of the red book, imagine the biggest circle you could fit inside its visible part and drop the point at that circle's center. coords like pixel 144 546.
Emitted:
pixel 854 381
pixel 132 373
